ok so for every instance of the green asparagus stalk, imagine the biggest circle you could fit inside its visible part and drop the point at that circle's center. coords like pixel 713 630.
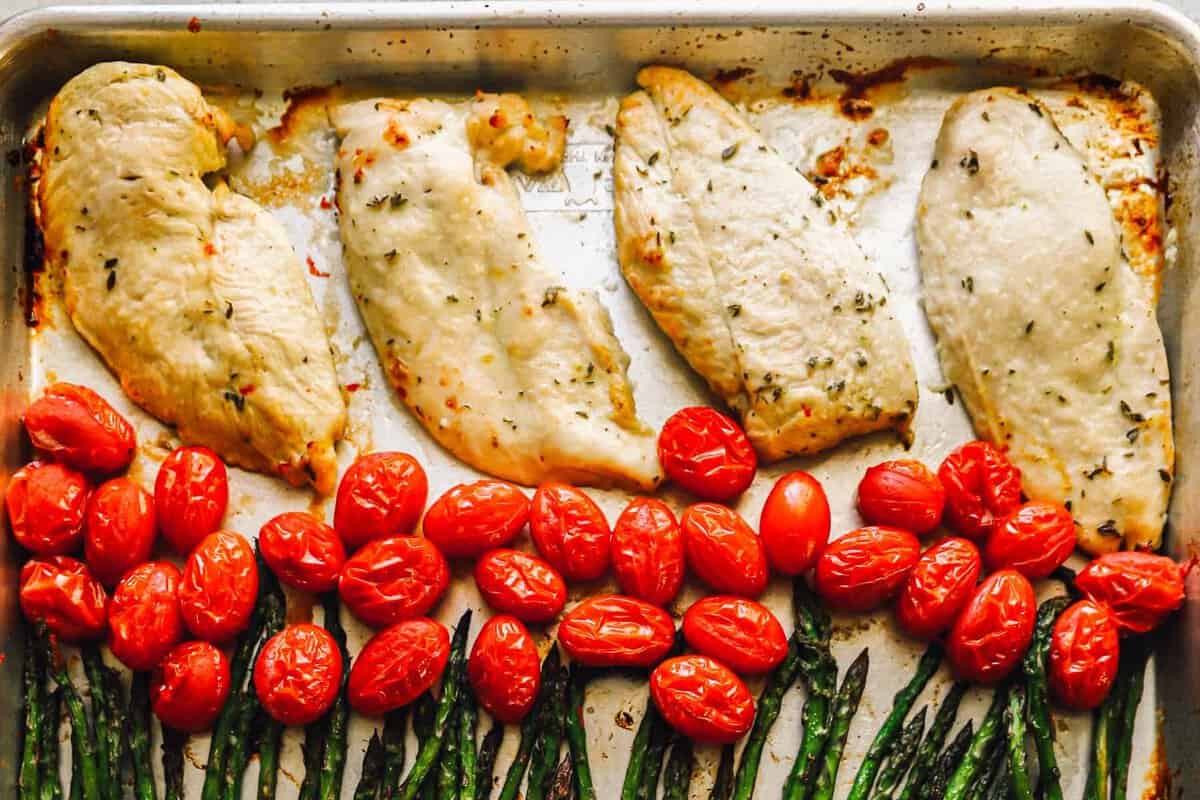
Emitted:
pixel 576 733
pixel 820 674
pixel 30 777
pixel 1001 787
pixel 468 715
pixel 812 618
pixel 660 737
pixel 989 732
pixel 1018 769
pixel 900 758
pixel 545 749
pixel 172 761
pixel 844 709
pixel 424 722
pixel 48 782
pixel 995 763
pixel 449 761
pixel 270 736
pixel 393 752
pixel 76 790
pixel 678 776
pixel 139 735
pixel 769 703
pixel 723 783
pixel 118 726
pixel 333 763
pixel 927 753
pixel 485 765
pixel 102 707
pixel 1037 697
pixel 1104 724
pixel 314 752
pixel 636 766
pixel 947 762
pixel 91 776
pixel 562 781
pixel 1130 682
pixel 370 781
pixel 530 727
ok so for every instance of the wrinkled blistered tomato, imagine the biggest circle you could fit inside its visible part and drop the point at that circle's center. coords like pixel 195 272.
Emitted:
pixel 863 569
pixel 397 665
pixel 191 493
pixel 381 495
pixel 504 669
pixel 388 580
pixel 120 530
pixel 1085 650
pixel 143 618
pixel 61 592
pixel 702 699
pixel 302 551
pixel 1141 589
pixel 1035 539
pixel 47 505
pixel 706 453
pixel 78 427
pixel 472 518
pixel 724 551
pixel 298 674
pixel 219 587
pixel 994 629
pixel 647 551
pixel 521 585
pixel 616 631
pixel 738 632
pixel 570 531
pixel 190 686
pixel 981 487
pixel 938 587
pixel 902 494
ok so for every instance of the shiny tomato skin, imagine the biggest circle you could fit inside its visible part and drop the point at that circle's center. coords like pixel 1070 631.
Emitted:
pixel 219 587
pixel 47 506
pixel 647 551
pixel 472 518
pixel 863 569
pixel 61 592
pixel 388 580
pixel 521 585
pixel 740 633
pixel 1085 649
pixel 1141 589
pixel 616 631
pixel 144 621
pixel 902 494
pixel 78 427
pixel 702 699
pixel 981 486
pixel 723 551
pixel 706 453
pixel 1035 539
pixel 302 551
pixel 938 587
pixel 794 524
pixel 190 686
pixel 298 674
pixel 381 495
pixel 504 669
pixel 570 531
pixel 120 530
pixel 191 493
pixel 994 629
pixel 397 665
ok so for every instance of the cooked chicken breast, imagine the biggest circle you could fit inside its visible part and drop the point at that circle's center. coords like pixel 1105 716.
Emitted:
pixel 192 296
pixel 1047 332
pixel 759 288
pixel 515 374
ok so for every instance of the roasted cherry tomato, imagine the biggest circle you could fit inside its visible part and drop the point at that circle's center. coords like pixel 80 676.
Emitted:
pixel 78 427
pixel 398 665
pixel 46 505
pixel 190 686
pixel 981 487
pixel 393 579
pixel 219 587
pixel 1035 539
pixel 1141 589
pixel 472 518
pixel 504 669
pixel 702 699
pixel 616 631
pixel 520 584
pixel 570 531
pixel 647 551
pixel 381 495
pixel 794 525
pixel 144 622
pixel 302 551
pixel 938 587
pixel 738 632
pixel 903 494
pixel 298 674
pixel 864 568
pixel 1085 649
pixel 191 493
pixel 706 453
pixel 120 529
pixel 994 629
pixel 723 550
pixel 61 592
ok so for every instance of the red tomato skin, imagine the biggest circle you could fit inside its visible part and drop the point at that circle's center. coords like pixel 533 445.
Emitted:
pixel 902 494
pixel 302 551
pixel 1035 539
pixel 570 531
pixel 994 629
pixel 120 530
pixel 938 587
pixel 397 665
pixel 707 453
pixel 1085 649
pixel 380 496
pixel 472 518
pixel 144 621
pixel 61 592
pixel 78 427
pixel 190 686
pixel 794 524
pixel 702 699
pixel 981 487
pixel 864 568
pixel 219 587
pixel 616 631
pixel 723 551
pixel 298 674
pixel 191 493
pixel 504 669
pixel 389 580
pixel 647 551
pixel 1140 589
pixel 740 633
pixel 521 585
pixel 47 505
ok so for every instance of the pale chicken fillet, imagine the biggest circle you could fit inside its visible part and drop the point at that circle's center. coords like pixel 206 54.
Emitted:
pixel 510 371
pixel 192 296
pixel 1042 325
pixel 759 288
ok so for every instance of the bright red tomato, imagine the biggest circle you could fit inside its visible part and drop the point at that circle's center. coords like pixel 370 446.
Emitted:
pixel 298 674
pixel 302 551
pixel 903 494
pixel 706 453
pixel 472 518
pixel 981 487
pixel 144 622
pixel 647 551
pixel 46 507
pixel 381 495
pixel 994 629
pixel 794 525
pixel 393 579
pixel 570 531
pixel 120 529
pixel 398 665
pixel 191 493
pixel 723 550
pixel 190 686
pixel 504 669
pixel 1034 540
pixel 616 631
pixel 702 699
pixel 938 587
pixel 1141 589
pixel 1085 649
pixel 61 592
pixel 864 568
pixel 738 632
pixel 520 584
pixel 78 427
pixel 219 587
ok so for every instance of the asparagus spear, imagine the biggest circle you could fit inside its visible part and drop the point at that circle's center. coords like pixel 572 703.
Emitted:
pixel 637 754
pixel 723 784
pixel 393 752
pixel 769 703
pixel 1037 700
pixel 1130 682
pixel 314 752
pixel 30 778
pixel 901 756
pixel 485 766
pixel 1001 788
pixel 424 720
pixel 76 792
pixel 118 727
pixel 333 762
pixel 990 730
pixel 270 734
pixel 811 617
pixel 678 777
pixel 994 765
pixel 1105 721
pixel 91 776
pixel 139 734
pixel 172 761
pixel 927 753
pixel 545 749
pixel 576 734
pixel 449 761
pixel 102 707
pixel 1018 769
pixel 468 717
pixel 660 737
pixel 530 727
pixel 48 783
pixel 843 713
pixel 947 761
pixel 370 781
pixel 562 781
pixel 820 674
